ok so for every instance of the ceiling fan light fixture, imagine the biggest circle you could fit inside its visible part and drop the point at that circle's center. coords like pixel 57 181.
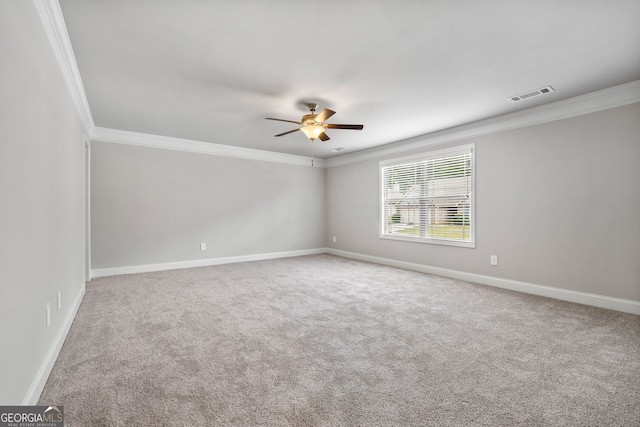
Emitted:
pixel 312 131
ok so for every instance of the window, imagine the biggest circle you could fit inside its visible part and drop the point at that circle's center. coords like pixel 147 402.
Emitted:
pixel 429 198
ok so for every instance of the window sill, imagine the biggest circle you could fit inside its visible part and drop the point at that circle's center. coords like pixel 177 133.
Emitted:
pixel 431 241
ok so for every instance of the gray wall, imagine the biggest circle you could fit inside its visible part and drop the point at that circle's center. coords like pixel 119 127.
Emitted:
pixel 41 199
pixel 558 203
pixel 153 206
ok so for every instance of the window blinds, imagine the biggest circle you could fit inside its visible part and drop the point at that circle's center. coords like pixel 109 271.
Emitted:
pixel 430 197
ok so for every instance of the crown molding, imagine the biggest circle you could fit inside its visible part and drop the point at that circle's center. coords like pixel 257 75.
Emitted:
pixel 188 145
pixel 53 23
pixel 604 99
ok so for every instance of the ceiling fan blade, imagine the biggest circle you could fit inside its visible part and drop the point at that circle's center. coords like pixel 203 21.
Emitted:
pixel 324 137
pixel 324 115
pixel 352 127
pixel 283 120
pixel 285 133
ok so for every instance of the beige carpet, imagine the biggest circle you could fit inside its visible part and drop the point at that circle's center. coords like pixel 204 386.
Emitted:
pixel 327 341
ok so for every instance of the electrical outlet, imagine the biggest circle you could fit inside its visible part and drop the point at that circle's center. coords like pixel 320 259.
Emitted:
pixel 59 300
pixel 494 259
pixel 48 313
pixel 334 239
pixel 203 246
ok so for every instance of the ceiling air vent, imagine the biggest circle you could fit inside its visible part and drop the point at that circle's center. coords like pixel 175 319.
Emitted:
pixel 531 94
pixel 335 150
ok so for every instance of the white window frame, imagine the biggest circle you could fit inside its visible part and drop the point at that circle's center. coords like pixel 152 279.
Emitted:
pixel 427 155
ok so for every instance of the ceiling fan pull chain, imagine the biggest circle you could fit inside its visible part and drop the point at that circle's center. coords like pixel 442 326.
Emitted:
pixel 312 153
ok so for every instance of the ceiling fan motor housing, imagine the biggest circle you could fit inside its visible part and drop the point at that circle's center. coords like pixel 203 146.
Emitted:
pixel 309 120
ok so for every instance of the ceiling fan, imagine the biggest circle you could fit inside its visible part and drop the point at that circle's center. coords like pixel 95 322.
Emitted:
pixel 313 125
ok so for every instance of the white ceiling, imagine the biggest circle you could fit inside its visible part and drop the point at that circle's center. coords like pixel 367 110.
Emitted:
pixel 213 70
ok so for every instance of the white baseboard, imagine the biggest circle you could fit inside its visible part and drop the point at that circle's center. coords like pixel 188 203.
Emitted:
pixel 618 304
pixel 38 383
pixel 114 271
